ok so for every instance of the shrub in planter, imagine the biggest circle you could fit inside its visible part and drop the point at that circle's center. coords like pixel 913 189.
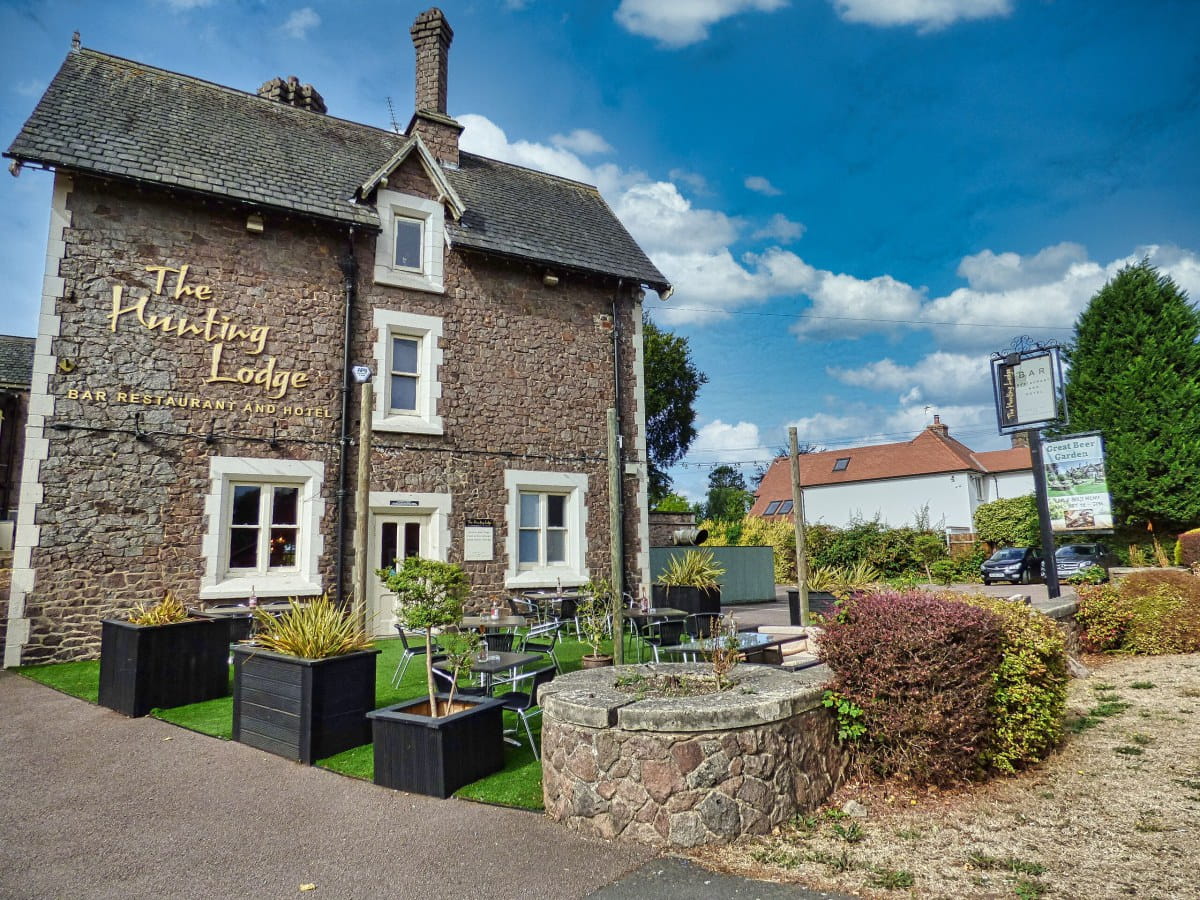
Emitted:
pixel 303 688
pixel 1029 696
pixel 689 582
pixel 920 667
pixel 161 658
pixel 592 613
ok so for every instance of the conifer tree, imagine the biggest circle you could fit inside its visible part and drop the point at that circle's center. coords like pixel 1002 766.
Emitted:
pixel 1134 375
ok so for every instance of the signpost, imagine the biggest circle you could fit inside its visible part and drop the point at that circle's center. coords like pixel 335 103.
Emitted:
pixel 1027 384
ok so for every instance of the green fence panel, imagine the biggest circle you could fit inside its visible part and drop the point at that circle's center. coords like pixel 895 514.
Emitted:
pixel 749 571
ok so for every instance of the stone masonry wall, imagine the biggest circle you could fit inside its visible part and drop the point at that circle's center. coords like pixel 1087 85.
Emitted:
pixel 525 382
pixel 687 788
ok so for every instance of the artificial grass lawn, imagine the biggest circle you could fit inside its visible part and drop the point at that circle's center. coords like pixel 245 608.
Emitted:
pixel 79 679
pixel 518 784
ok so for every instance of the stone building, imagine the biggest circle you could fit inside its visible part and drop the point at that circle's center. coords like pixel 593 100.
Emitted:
pixel 16 373
pixel 220 261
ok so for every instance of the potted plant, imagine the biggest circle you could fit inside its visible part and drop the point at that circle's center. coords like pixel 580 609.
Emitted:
pixel 592 613
pixel 303 686
pixel 436 744
pixel 159 658
pixel 689 582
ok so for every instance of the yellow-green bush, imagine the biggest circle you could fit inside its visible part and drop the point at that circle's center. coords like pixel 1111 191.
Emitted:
pixel 1028 704
pixel 1147 612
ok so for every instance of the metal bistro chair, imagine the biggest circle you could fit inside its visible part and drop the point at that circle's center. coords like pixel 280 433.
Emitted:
pixel 542 639
pixel 410 653
pixel 524 704
pixel 446 681
pixel 703 625
pixel 521 606
pixel 659 634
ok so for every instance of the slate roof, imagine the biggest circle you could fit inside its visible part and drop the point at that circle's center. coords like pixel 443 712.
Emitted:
pixel 115 117
pixel 932 452
pixel 16 361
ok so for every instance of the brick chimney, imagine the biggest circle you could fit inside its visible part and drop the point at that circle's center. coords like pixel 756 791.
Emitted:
pixel 293 93
pixel 1019 439
pixel 431 36
pixel 938 427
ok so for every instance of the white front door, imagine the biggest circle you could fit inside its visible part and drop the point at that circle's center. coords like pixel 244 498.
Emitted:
pixel 394 538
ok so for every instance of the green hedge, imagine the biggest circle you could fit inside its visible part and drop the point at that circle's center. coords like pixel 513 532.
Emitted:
pixel 1146 612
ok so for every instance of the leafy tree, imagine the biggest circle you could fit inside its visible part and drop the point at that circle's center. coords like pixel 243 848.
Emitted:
pixel 673 503
pixel 760 469
pixel 672 383
pixel 1009 522
pixel 1134 375
pixel 728 498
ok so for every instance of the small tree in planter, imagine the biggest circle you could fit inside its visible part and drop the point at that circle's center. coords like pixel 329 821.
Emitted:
pixel 689 582
pixel 430 594
pixel 159 657
pixel 593 615
pixel 303 687
pixel 457 742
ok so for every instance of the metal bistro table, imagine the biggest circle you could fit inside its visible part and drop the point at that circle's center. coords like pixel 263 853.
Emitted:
pixel 756 647
pixel 239 616
pixel 495 663
pixel 490 627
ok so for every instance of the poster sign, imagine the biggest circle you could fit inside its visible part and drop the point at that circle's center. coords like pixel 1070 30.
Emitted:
pixel 1027 389
pixel 1076 484
pixel 479 539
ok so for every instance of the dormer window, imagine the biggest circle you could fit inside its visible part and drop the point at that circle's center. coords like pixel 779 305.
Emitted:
pixel 841 464
pixel 408 251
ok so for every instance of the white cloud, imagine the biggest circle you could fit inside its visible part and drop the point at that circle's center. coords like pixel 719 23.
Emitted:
pixel 184 5
pixel 29 88
pixel 677 23
pixel 988 271
pixel 928 15
pixel 725 443
pixel 667 222
pixel 935 378
pixel 780 228
pixel 842 303
pixel 761 185
pixel 581 141
pixel 697 182
pixel 300 22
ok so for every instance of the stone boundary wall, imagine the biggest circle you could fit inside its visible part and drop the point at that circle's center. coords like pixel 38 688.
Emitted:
pixel 1064 616
pixel 683 772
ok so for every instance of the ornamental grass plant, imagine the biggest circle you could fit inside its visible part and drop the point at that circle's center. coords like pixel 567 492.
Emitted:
pixel 316 630
pixel 696 568
pixel 166 611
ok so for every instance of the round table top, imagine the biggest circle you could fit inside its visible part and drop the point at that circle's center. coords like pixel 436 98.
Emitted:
pixel 491 622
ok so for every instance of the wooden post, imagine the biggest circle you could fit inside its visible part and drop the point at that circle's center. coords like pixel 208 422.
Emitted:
pixel 362 504
pixel 798 518
pixel 615 530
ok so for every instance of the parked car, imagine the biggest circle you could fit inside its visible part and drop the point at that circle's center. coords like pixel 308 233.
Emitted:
pixel 1073 558
pixel 1020 565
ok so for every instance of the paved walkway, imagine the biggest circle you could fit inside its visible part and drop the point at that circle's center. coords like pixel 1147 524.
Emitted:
pixel 99 806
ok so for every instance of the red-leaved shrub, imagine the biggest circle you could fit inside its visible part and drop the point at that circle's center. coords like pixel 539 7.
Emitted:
pixel 921 669
pixel 1189 548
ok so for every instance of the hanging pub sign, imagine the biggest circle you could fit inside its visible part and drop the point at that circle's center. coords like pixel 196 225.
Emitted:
pixel 1028 388
pixel 1076 484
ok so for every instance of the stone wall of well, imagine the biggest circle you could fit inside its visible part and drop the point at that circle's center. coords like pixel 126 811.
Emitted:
pixel 526 379
pixel 705 776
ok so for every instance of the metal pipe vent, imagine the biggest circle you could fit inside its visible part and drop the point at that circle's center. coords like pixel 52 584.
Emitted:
pixel 689 537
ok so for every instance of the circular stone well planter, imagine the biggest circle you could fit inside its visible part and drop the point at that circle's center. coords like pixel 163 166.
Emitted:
pixel 686 771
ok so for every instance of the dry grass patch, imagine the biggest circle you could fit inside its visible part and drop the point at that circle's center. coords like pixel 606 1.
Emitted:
pixel 1115 812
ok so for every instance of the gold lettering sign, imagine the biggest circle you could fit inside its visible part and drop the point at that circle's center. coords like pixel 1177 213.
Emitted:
pixel 214 327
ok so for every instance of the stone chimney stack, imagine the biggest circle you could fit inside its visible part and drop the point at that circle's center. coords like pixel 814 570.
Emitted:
pixel 293 93
pixel 431 36
pixel 939 427
pixel 1019 439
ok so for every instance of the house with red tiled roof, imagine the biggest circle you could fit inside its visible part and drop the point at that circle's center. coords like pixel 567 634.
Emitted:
pixel 932 478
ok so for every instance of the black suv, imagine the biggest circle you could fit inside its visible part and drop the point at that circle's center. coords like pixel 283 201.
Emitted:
pixel 1020 565
pixel 1072 558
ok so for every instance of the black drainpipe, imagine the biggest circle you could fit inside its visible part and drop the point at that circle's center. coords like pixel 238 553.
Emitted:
pixel 349 267
pixel 619 588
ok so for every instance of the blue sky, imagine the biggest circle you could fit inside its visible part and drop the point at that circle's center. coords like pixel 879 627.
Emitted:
pixel 857 200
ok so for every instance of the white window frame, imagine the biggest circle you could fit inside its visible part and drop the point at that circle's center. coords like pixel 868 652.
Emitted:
pixel 427 331
pixel 219 582
pixel 392 206
pixel 573 486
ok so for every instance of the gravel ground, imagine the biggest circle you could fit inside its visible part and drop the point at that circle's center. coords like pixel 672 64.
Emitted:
pixel 1114 813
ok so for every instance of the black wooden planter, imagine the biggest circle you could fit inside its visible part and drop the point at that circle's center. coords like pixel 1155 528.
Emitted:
pixel 688 599
pixel 436 757
pixel 147 666
pixel 303 709
pixel 819 602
